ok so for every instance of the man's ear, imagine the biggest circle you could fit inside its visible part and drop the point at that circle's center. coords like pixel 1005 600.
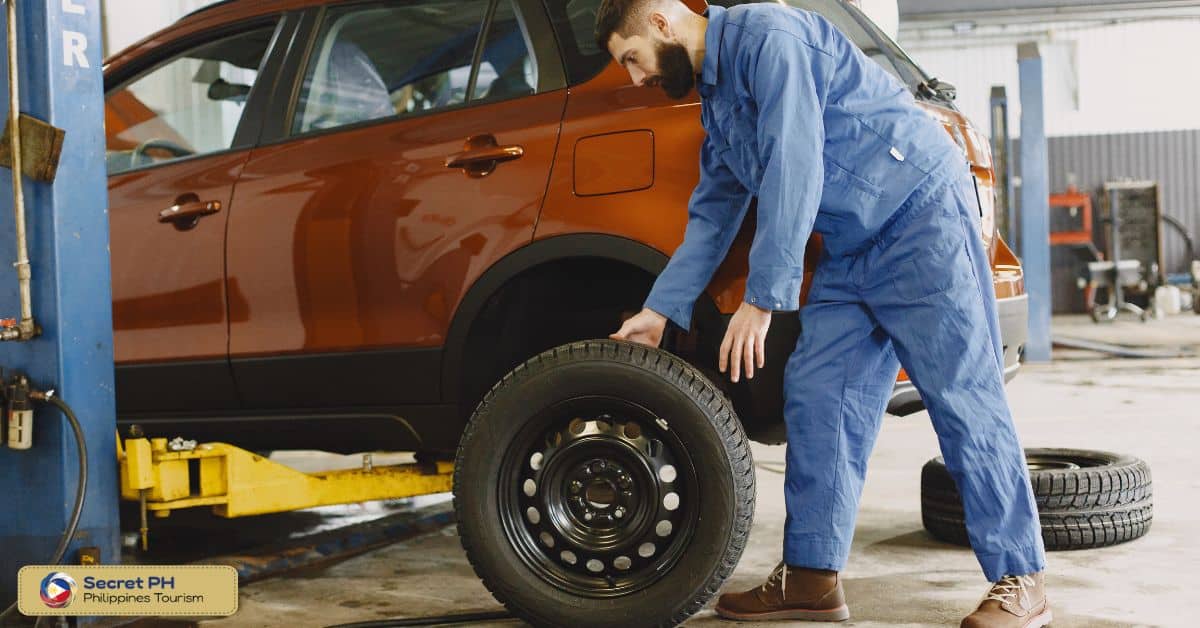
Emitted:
pixel 661 25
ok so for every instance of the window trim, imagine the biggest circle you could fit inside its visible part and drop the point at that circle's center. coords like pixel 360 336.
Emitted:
pixel 268 70
pixel 477 57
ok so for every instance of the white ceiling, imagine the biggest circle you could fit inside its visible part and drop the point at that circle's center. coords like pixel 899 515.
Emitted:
pixel 923 8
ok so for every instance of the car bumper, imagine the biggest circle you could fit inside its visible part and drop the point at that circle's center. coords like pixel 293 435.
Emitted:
pixel 1014 331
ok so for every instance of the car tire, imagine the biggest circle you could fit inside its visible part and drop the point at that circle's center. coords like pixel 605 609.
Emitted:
pixel 1085 499
pixel 571 437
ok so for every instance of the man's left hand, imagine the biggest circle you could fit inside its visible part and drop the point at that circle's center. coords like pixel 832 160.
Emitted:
pixel 745 341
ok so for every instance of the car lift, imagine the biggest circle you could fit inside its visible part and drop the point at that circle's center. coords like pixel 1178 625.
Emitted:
pixel 165 476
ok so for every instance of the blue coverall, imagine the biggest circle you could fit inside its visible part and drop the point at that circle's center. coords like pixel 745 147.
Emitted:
pixel 797 116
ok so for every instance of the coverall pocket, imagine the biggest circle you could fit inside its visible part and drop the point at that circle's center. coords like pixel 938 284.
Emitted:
pixel 930 271
pixel 846 192
pixel 743 139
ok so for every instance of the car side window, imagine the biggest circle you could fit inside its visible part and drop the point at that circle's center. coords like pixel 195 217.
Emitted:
pixel 189 105
pixel 389 59
pixel 575 26
pixel 506 67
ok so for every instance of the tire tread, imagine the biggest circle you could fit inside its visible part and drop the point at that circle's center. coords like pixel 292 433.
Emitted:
pixel 1078 508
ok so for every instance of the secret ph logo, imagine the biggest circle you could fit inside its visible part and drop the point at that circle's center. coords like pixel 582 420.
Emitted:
pixel 57 590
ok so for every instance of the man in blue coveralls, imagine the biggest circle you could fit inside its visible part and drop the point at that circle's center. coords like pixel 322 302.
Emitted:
pixel 797 116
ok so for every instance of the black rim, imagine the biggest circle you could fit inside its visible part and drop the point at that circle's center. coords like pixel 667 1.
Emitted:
pixel 1056 462
pixel 598 496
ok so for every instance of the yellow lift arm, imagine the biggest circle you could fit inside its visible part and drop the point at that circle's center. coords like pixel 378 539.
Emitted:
pixel 237 483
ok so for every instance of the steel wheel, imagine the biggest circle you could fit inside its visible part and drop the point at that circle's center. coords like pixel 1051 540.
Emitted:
pixel 579 493
pixel 598 496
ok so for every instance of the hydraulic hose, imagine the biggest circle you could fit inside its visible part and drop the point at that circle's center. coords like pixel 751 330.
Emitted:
pixel 80 490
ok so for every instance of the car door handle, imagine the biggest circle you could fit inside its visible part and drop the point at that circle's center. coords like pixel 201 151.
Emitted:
pixel 185 214
pixel 481 154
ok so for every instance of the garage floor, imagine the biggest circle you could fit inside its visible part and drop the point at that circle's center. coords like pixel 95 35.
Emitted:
pixel 897 575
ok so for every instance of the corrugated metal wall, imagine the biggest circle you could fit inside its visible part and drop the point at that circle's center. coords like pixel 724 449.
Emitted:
pixel 1172 158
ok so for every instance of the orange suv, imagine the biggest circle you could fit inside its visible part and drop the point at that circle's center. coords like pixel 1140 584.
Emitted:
pixel 338 225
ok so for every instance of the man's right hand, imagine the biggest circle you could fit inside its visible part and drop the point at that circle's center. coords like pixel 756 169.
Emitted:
pixel 645 327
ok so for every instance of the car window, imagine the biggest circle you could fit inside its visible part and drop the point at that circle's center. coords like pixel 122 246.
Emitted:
pixel 506 67
pixel 190 105
pixel 575 26
pixel 384 60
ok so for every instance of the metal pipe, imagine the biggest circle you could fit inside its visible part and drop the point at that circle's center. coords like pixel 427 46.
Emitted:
pixel 25 327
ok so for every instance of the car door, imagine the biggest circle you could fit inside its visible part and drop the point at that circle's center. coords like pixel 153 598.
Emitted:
pixel 178 136
pixel 414 154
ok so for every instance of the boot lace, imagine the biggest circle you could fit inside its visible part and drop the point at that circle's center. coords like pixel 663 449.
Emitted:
pixel 1009 587
pixel 780 576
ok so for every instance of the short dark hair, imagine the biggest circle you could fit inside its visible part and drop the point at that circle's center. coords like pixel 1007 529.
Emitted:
pixel 616 16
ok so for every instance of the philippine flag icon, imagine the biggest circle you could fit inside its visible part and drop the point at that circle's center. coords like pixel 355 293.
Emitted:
pixel 57 590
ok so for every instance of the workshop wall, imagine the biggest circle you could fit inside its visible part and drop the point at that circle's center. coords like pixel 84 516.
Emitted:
pixel 1172 158
pixel 128 21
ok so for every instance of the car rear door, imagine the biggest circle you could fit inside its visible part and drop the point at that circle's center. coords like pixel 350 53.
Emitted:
pixel 179 126
pixel 413 152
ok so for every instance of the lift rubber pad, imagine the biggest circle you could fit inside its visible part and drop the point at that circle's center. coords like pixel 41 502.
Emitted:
pixel 336 545
pixel 41 147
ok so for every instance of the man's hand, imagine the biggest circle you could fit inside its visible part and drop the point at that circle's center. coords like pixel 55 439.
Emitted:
pixel 745 339
pixel 645 327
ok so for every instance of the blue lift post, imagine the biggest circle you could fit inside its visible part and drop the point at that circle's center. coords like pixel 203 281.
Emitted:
pixel 1035 203
pixel 61 82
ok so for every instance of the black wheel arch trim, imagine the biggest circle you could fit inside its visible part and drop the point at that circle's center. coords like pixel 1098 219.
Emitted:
pixel 589 245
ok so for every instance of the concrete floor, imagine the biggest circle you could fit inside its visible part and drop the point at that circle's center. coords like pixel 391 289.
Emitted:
pixel 897 576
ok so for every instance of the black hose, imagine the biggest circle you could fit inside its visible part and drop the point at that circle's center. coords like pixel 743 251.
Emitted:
pixel 80 490
pixel 1187 239
pixel 439 620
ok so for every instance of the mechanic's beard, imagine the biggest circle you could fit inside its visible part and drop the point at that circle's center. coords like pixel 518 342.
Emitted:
pixel 677 74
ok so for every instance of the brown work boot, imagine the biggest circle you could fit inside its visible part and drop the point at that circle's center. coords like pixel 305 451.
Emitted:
pixel 1013 602
pixel 789 593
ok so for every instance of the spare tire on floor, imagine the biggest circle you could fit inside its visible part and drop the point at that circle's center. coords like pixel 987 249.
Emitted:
pixel 1085 499
pixel 604 484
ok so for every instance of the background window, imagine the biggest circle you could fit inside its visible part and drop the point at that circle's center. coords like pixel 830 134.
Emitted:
pixel 191 105
pixel 378 61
